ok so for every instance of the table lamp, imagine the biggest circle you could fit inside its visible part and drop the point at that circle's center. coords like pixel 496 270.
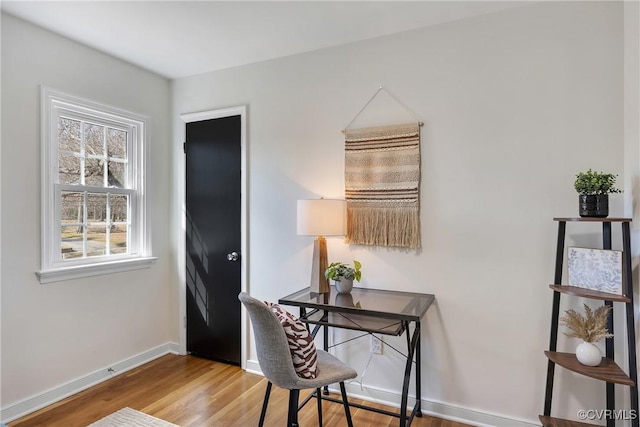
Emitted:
pixel 321 217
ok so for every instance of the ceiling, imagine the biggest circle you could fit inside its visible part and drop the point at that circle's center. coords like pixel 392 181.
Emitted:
pixel 182 38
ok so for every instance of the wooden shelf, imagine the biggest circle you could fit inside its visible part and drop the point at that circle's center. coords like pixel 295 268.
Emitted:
pixel 607 371
pixel 589 293
pixel 592 219
pixel 558 422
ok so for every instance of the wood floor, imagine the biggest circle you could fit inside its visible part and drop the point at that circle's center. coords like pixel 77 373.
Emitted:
pixel 193 392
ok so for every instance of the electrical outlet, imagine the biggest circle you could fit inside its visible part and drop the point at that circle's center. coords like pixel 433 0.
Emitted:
pixel 376 344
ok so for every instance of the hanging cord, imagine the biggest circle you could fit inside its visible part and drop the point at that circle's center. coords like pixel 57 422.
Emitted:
pixel 364 372
pixel 359 382
pixel 381 88
pixel 333 344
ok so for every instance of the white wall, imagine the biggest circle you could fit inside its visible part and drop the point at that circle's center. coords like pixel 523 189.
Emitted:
pixel 514 104
pixel 57 333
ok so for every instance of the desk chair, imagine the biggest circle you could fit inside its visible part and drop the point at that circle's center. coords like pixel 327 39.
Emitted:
pixel 276 363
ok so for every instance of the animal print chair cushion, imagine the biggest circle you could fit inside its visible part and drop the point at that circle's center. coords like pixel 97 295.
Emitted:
pixel 301 345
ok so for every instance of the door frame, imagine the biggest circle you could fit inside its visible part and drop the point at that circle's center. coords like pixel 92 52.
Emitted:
pixel 244 229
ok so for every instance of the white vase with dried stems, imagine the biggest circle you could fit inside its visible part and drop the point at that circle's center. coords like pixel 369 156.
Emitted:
pixel 590 327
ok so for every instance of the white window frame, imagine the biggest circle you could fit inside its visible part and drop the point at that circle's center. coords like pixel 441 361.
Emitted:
pixel 53 268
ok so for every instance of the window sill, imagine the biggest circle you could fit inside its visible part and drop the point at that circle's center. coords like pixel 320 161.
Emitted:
pixel 88 270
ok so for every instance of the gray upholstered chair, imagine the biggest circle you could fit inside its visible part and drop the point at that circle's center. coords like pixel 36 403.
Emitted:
pixel 277 365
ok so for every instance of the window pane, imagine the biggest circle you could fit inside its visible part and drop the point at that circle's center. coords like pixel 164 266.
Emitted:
pixel 119 209
pixel 69 169
pixel 71 245
pixel 96 207
pixel 118 239
pixel 69 135
pixel 116 174
pixel 117 143
pixel 94 172
pixel 72 208
pixel 96 233
pixel 96 240
pixel 94 140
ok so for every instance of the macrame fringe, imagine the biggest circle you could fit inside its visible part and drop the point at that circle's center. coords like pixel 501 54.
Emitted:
pixel 398 227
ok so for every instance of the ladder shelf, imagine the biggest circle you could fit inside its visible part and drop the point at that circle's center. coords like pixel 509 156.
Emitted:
pixel 607 370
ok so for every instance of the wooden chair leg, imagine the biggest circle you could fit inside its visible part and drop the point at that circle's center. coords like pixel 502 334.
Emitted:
pixel 319 400
pixel 345 402
pixel 292 418
pixel 264 404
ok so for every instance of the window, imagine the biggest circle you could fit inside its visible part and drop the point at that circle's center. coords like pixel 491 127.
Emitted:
pixel 93 199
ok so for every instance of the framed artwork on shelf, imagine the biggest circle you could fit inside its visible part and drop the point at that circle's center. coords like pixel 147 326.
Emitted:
pixel 596 269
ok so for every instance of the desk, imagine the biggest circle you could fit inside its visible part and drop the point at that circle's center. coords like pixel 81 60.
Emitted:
pixel 372 311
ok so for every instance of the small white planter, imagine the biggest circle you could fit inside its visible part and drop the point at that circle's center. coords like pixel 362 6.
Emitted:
pixel 588 354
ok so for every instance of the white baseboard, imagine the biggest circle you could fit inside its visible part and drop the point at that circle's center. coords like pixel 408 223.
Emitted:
pixel 433 408
pixel 253 367
pixel 56 394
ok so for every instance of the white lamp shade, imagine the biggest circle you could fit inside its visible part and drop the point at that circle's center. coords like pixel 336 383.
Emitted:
pixel 322 217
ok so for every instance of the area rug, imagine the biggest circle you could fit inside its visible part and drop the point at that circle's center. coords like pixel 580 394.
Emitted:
pixel 127 417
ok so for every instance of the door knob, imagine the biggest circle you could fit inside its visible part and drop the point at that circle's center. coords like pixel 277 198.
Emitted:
pixel 233 256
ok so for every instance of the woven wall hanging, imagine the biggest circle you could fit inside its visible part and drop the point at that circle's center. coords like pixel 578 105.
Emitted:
pixel 382 185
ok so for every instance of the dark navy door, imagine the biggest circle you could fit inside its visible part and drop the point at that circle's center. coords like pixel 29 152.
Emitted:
pixel 213 235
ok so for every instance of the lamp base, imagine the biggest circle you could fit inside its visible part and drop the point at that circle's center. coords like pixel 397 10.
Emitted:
pixel 319 283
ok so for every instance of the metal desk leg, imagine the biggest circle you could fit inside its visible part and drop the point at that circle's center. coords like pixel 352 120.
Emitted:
pixel 415 339
pixel 418 375
pixel 325 329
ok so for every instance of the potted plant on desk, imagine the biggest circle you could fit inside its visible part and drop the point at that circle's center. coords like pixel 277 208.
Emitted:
pixel 343 275
pixel 593 192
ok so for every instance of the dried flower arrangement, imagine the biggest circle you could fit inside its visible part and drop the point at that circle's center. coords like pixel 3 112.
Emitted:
pixel 590 327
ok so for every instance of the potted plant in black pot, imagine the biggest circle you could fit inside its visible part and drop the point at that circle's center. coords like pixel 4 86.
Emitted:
pixel 593 192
